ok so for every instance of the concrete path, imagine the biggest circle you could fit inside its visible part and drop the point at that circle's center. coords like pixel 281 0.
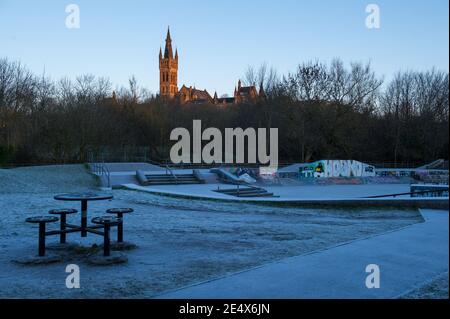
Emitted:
pixel 407 258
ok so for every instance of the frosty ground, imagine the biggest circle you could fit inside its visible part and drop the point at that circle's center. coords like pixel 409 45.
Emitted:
pixel 180 241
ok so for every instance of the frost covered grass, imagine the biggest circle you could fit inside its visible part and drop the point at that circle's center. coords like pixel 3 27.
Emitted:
pixel 180 241
pixel 436 288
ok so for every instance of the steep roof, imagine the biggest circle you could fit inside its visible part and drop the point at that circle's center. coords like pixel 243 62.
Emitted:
pixel 199 94
pixel 246 89
pixel 168 52
pixel 226 100
pixel 195 95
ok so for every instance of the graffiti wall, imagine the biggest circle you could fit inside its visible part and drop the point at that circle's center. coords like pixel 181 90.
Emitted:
pixel 336 168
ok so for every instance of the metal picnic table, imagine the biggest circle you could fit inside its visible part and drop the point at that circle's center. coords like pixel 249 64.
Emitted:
pixel 84 198
pixel 100 225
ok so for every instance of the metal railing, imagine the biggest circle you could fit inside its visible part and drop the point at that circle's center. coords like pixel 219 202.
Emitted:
pixel 100 169
pixel 440 193
pixel 171 173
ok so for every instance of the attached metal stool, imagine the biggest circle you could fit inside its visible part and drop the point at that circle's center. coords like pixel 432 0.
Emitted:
pixel 42 221
pixel 62 213
pixel 119 213
pixel 107 222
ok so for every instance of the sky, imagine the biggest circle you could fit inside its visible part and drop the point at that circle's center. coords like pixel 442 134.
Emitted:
pixel 217 40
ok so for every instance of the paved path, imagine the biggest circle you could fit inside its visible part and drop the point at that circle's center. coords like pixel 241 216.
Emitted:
pixel 407 258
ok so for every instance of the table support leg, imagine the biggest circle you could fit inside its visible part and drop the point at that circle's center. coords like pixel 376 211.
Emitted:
pixel 106 241
pixel 41 239
pixel 62 237
pixel 83 218
pixel 120 229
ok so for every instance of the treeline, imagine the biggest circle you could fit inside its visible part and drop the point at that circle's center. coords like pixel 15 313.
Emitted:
pixel 322 111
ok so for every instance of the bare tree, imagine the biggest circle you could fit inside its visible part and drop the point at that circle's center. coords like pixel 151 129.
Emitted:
pixel 363 87
pixel 310 82
pixel 323 111
pixel 432 94
pixel 6 82
pixel 45 93
pixel 263 76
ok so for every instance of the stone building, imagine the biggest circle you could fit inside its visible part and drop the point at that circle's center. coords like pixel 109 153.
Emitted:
pixel 168 84
pixel 193 95
pixel 168 70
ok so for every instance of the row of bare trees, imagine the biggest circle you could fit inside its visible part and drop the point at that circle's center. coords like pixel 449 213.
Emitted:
pixel 322 111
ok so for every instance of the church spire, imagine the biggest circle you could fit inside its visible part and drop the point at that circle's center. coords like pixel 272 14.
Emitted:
pixel 168 34
pixel 168 52
pixel 168 70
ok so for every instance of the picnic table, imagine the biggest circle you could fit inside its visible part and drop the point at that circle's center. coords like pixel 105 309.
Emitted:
pixel 100 225
pixel 84 198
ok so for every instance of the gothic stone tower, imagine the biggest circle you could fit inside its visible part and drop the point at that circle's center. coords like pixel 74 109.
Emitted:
pixel 168 70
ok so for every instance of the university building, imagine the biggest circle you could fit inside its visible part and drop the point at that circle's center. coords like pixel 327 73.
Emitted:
pixel 168 84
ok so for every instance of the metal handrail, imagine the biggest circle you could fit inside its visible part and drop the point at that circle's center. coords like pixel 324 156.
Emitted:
pixel 408 193
pixel 100 169
pixel 171 173
pixel 108 174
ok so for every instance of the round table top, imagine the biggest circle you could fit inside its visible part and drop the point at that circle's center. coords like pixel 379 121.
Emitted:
pixel 42 219
pixel 119 210
pixel 83 196
pixel 105 220
pixel 62 211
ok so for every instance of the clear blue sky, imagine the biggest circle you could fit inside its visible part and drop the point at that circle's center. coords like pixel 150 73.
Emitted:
pixel 218 39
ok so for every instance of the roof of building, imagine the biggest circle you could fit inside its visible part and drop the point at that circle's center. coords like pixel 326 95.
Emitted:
pixel 168 52
pixel 246 89
pixel 199 94
pixel 224 100
pixel 196 94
